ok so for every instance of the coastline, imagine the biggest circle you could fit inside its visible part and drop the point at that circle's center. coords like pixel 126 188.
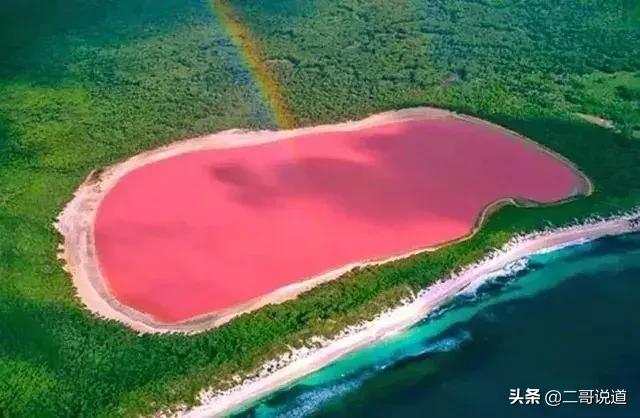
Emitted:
pixel 298 363
pixel 76 222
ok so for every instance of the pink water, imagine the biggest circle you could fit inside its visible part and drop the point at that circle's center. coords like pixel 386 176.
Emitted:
pixel 209 230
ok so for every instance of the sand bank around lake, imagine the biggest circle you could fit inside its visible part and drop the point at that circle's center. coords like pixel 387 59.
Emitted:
pixel 77 221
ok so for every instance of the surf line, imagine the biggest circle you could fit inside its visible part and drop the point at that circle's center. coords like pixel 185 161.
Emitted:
pixel 250 51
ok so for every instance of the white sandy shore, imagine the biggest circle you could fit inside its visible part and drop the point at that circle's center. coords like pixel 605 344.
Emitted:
pixel 76 222
pixel 292 366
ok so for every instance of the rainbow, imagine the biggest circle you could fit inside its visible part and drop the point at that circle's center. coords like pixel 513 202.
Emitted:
pixel 250 51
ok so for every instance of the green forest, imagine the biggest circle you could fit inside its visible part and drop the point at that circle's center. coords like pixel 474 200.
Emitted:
pixel 85 83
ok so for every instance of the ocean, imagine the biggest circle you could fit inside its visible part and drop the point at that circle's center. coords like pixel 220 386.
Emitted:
pixel 565 321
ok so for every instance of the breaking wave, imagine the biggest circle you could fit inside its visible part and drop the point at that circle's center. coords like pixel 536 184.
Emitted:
pixel 443 345
pixel 561 246
pixel 509 271
pixel 311 399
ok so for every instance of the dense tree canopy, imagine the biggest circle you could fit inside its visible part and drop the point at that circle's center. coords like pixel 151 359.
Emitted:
pixel 84 83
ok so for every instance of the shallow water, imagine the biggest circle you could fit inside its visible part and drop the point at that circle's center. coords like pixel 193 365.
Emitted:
pixel 568 321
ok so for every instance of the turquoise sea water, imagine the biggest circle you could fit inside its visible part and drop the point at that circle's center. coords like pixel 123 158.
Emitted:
pixel 569 321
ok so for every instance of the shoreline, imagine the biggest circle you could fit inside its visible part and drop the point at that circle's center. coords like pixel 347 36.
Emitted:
pixel 298 363
pixel 76 222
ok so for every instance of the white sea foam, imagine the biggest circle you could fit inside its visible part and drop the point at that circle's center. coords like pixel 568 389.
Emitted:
pixel 447 344
pixel 564 245
pixel 309 401
pixel 509 270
